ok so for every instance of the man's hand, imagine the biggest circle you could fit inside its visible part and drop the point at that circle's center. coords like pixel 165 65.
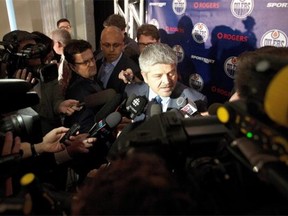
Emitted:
pixel 127 76
pixel 79 144
pixel 25 75
pixel 68 107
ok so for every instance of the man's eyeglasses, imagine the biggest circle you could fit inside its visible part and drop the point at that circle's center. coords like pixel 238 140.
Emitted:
pixel 65 27
pixel 86 62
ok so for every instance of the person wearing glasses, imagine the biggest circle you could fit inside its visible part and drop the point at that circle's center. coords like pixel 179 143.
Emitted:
pixel 64 23
pixel 114 60
pixel 80 81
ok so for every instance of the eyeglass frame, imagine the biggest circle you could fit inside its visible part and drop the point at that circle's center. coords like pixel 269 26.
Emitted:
pixel 86 62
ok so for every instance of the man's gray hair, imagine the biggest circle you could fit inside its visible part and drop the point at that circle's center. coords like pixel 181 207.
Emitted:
pixel 61 35
pixel 157 53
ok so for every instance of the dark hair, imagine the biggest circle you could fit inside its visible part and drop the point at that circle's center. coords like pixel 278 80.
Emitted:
pixel 44 39
pixel 62 20
pixel 74 47
pixel 138 184
pixel 148 30
pixel 255 69
pixel 115 20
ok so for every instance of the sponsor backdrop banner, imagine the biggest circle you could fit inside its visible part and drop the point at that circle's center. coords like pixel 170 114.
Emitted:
pixel 209 35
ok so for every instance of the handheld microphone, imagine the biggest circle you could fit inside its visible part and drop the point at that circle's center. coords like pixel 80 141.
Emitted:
pixel 123 107
pixel 99 98
pixel 137 106
pixel 104 127
pixel 189 109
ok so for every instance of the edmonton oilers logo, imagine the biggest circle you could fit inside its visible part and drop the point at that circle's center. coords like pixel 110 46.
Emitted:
pixel 200 33
pixel 154 22
pixel 179 6
pixel 230 66
pixel 196 81
pixel 275 38
pixel 241 8
pixel 179 52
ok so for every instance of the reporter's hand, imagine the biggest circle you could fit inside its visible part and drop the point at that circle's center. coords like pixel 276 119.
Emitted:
pixel 79 144
pixel 126 75
pixel 124 122
pixel 25 75
pixel 11 146
pixel 68 107
pixel 51 141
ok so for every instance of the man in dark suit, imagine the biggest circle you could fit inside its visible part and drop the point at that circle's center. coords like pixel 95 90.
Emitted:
pixel 158 63
pixel 114 61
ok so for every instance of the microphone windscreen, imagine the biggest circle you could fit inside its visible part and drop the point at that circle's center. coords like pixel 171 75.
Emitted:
pixel 275 105
pixel 113 119
pixel 201 105
pixel 99 98
pixel 155 109
pixel 212 109
pixel 130 99
pixel 108 107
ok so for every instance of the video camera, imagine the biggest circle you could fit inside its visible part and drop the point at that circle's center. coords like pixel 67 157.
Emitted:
pixel 15 60
pixel 16 114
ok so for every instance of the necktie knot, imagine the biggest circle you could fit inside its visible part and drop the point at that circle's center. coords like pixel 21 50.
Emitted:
pixel 158 99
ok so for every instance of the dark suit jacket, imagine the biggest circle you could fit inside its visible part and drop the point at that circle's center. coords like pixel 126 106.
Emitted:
pixel 124 63
pixel 179 93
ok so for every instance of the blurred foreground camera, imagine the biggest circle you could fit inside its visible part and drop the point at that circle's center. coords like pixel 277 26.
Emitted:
pixel 16 114
pixel 24 123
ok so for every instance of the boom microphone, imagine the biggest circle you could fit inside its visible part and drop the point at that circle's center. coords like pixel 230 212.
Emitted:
pixel 99 98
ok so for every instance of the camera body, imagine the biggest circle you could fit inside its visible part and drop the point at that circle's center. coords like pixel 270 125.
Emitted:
pixel 15 60
pixel 16 115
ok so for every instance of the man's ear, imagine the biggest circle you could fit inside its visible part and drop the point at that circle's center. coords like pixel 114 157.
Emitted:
pixel 144 75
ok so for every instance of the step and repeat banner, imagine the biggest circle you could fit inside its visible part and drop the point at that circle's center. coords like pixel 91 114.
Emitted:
pixel 209 35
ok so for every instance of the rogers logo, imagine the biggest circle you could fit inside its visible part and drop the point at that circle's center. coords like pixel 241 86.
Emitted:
pixel 230 66
pixel 225 36
pixel 206 5
pixel 277 5
pixel 200 33
pixel 275 38
pixel 220 91
pixel 241 8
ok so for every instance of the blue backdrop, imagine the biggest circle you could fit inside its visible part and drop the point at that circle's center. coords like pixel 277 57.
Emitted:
pixel 209 35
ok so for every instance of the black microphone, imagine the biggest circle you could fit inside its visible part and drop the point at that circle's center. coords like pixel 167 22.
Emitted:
pixel 137 106
pixel 123 107
pixel 212 109
pixel 104 127
pixel 99 98
pixel 108 108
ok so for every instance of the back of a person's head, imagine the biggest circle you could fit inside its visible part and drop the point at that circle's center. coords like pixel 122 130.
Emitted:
pixel 115 20
pixel 255 69
pixel 148 30
pixel 139 184
pixel 61 35
pixel 44 39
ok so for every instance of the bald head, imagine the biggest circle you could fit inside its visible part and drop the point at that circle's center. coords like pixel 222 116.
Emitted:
pixel 112 43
